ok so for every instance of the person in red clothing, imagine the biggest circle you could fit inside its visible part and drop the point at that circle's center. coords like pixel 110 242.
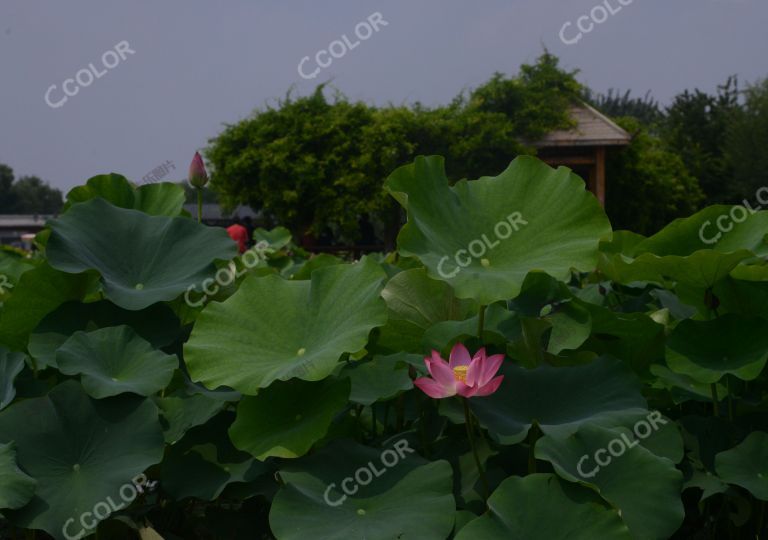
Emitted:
pixel 239 234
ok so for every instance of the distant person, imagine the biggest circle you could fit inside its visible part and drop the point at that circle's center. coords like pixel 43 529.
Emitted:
pixel 239 234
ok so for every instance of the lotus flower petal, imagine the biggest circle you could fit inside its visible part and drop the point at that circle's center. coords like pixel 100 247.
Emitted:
pixel 459 356
pixel 440 372
pixel 489 388
pixel 489 368
pixel 434 389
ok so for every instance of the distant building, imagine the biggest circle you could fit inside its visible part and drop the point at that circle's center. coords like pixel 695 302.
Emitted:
pixel 583 148
pixel 14 226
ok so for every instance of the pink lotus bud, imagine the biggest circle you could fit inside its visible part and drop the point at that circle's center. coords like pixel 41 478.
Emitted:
pixel 197 175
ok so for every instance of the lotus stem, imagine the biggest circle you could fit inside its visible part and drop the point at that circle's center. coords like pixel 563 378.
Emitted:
pixel 715 406
pixel 471 437
pixel 199 205
pixel 481 322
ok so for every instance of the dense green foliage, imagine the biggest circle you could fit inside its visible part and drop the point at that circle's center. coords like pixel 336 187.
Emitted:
pixel 747 145
pixel 696 126
pixel 617 105
pixel 152 382
pixel 649 184
pixel 317 166
pixel 719 139
pixel 26 195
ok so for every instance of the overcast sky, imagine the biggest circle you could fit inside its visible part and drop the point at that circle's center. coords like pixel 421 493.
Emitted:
pixel 190 66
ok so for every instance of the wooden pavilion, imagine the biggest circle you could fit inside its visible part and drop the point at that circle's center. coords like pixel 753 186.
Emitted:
pixel 583 148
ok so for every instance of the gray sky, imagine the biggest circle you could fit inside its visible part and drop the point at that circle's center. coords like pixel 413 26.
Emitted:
pixel 197 64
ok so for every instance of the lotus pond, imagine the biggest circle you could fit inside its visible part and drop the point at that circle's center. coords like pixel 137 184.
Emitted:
pixel 516 369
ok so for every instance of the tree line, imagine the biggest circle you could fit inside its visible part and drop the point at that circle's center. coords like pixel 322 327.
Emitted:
pixel 316 163
pixel 27 194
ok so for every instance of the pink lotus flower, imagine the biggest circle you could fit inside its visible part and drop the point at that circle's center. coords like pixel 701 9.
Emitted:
pixel 462 375
pixel 198 177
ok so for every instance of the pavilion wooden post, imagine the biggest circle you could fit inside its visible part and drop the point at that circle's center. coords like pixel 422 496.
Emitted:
pixel 599 186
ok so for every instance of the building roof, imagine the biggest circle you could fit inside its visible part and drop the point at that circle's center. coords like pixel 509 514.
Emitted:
pixel 22 221
pixel 592 129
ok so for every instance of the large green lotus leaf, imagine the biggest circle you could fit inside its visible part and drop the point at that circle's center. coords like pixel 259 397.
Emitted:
pixel 156 199
pixel 634 337
pixel 379 379
pixel 11 365
pixel 621 242
pixel 16 488
pixel 12 266
pixel 181 412
pixel 683 388
pixel 277 238
pixel 675 305
pixel 743 297
pixel 415 303
pixel 80 451
pixel 666 440
pixel 500 326
pixel 115 360
pixel 528 340
pixel 273 328
pixel 702 269
pixel 708 350
pixel 38 292
pixel 751 272
pixel 544 297
pixel 287 418
pixel 304 271
pixel 571 325
pixel 160 199
pixel 539 290
pixel 708 483
pixel 560 399
pixel 539 506
pixel 746 465
pixel 407 500
pixel 415 297
pixel 685 236
pixel 142 259
pixel 112 187
pixel 645 487
pixel 559 225
pixel 157 324
pixel 204 462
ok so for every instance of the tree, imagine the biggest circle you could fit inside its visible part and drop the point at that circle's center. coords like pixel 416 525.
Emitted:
pixel 27 195
pixel 299 162
pixel 650 185
pixel 646 109
pixel 536 101
pixel 747 142
pixel 317 165
pixel 7 197
pixel 36 197
pixel 696 127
